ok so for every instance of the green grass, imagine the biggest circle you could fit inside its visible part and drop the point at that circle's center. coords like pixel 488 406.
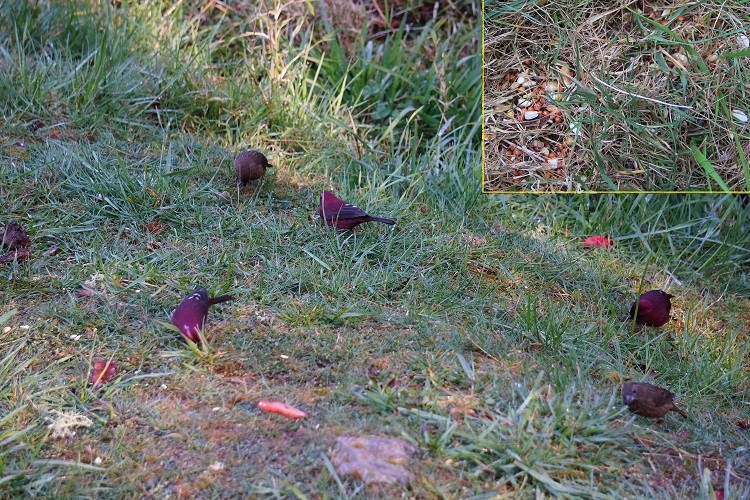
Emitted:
pixel 477 328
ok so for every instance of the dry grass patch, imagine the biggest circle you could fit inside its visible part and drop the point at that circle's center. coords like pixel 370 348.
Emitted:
pixel 598 96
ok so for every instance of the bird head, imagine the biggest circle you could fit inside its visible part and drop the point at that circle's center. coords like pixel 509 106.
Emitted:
pixel 200 294
pixel 629 393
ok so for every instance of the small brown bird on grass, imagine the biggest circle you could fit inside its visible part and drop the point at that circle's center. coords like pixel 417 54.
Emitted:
pixel 250 166
pixel 648 400
pixel 192 312
pixel 652 308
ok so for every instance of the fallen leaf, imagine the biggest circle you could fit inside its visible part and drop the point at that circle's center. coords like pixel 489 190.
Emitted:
pixel 281 409
pixel 153 227
pixel 103 372
pixel 597 241
pixel 373 459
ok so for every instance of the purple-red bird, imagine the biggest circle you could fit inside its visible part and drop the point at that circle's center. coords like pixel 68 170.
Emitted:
pixel 649 400
pixel 191 314
pixel 653 308
pixel 337 213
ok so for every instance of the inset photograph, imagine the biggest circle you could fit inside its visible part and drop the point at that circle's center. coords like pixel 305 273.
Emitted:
pixel 616 96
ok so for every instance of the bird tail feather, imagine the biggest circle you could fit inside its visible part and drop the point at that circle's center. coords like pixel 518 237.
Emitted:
pixel 390 222
pixel 219 300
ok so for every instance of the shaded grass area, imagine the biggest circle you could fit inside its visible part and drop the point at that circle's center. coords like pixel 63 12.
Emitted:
pixel 649 98
pixel 477 328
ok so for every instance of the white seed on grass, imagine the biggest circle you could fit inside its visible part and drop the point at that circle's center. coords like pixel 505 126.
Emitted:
pixel 6 329
pixel 25 327
pixel 552 162
pixel 680 57
pixel 524 103
pixel 163 386
pixel 530 115
pixel 75 337
pixel 575 127
pixel 98 460
pixel 739 115
pixel 522 78
pixel 743 40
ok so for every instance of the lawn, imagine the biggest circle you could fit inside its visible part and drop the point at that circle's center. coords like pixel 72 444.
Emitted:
pixel 477 330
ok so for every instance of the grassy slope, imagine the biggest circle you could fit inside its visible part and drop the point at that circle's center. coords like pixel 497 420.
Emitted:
pixel 125 170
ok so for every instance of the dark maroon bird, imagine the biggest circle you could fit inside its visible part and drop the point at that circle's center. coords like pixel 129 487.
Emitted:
pixel 191 314
pixel 653 308
pixel 342 215
pixel 250 166
pixel 649 400
pixel 13 236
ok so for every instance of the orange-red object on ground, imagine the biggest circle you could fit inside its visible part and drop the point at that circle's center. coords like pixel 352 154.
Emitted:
pixel 281 408
pixel 103 372
pixel 597 241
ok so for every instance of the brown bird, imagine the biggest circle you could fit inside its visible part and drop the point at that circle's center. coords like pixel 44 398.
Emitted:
pixel 250 166
pixel 192 312
pixel 648 400
pixel 652 308
pixel 13 237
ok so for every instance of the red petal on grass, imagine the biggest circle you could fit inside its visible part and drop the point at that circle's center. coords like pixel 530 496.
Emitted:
pixel 720 494
pixel 597 241
pixel 281 408
pixel 103 372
